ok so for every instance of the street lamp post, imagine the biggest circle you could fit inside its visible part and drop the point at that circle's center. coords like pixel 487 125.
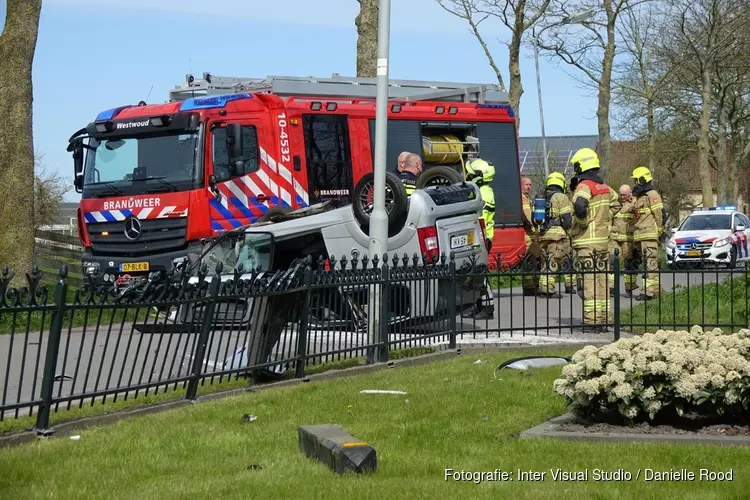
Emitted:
pixel 574 19
pixel 379 217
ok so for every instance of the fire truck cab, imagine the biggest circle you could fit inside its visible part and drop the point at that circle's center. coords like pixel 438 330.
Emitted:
pixel 225 152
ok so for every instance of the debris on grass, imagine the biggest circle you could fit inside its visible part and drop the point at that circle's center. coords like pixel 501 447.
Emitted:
pixel 247 417
pixel 379 391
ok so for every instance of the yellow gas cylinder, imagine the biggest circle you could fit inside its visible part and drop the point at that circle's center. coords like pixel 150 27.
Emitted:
pixel 443 149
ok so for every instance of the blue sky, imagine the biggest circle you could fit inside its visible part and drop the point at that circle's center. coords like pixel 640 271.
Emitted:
pixel 96 54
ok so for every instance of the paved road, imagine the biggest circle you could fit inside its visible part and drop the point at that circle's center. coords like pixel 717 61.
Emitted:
pixel 116 356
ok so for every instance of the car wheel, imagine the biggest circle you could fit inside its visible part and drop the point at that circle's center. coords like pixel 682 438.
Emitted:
pixel 439 176
pixel 396 201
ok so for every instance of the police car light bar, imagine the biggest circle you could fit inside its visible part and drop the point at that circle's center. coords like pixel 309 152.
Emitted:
pixel 726 207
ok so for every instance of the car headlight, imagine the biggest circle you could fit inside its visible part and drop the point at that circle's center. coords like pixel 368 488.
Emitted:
pixel 671 244
pixel 90 267
pixel 722 242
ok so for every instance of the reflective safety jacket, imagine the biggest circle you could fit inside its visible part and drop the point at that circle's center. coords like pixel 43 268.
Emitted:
pixel 649 224
pixel 624 222
pixel 560 217
pixel 592 204
pixel 488 211
pixel 528 227
pixel 410 182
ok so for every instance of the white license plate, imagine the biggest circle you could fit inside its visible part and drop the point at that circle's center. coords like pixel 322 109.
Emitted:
pixel 462 240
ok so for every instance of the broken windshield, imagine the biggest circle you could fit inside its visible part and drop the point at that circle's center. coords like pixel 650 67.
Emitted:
pixel 137 165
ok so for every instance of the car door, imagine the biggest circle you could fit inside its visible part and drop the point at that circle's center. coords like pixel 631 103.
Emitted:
pixel 741 232
pixel 328 157
pixel 247 195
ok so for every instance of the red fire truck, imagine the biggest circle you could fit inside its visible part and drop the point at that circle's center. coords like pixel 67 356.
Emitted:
pixel 224 152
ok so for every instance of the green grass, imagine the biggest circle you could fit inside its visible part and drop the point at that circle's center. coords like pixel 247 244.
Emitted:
pixel 204 451
pixel 109 405
pixel 727 302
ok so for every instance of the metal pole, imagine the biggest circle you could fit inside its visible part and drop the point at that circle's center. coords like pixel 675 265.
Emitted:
pixel 541 108
pixel 379 217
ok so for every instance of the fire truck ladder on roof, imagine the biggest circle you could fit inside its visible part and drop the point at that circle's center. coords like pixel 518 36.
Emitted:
pixel 338 86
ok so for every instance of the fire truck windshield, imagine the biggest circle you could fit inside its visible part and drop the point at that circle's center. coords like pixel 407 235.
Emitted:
pixel 152 164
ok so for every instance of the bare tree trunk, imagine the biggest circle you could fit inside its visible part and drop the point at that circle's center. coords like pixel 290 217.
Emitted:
pixel 722 179
pixel 651 131
pixel 605 92
pixel 514 67
pixel 705 118
pixel 367 38
pixel 17 46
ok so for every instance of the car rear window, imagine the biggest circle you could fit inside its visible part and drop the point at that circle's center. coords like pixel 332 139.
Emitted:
pixel 707 222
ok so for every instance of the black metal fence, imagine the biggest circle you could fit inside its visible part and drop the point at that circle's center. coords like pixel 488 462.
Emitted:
pixel 63 347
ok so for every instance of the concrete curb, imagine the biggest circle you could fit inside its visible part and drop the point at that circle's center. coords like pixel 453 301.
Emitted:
pixel 548 430
pixel 69 427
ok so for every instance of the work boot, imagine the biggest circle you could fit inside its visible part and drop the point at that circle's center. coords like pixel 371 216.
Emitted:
pixel 570 289
pixel 644 297
pixel 551 295
pixel 484 314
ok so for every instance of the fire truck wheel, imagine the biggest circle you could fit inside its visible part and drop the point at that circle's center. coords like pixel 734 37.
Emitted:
pixel 274 213
pixel 438 176
pixel 396 201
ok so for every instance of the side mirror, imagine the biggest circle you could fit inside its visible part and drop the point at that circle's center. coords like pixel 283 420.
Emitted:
pixel 235 149
pixel 674 229
pixel 213 188
pixel 741 227
pixel 77 149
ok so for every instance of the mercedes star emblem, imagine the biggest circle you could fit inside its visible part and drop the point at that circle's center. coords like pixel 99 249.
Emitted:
pixel 132 228
pixel 693 247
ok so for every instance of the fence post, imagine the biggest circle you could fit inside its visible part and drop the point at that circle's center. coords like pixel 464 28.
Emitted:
pixel 299 370
pixel 616 304
pixel 452 302
pixel 385 293
pixel 200 347
pixel 53 348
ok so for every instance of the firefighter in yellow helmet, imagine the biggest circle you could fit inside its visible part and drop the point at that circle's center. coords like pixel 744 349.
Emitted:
pixel 621 239
pixel 592 205
pixel 649 227
pixel 481 173
pixel 554 237
pixel 533 252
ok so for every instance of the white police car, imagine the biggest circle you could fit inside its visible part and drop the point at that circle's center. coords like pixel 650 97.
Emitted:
pixel 717 235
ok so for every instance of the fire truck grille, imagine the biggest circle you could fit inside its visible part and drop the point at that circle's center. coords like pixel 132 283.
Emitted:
pixel 156 236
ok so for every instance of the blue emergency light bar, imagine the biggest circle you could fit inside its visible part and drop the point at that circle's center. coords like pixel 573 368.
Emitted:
pixel 725 207
pixel 218 101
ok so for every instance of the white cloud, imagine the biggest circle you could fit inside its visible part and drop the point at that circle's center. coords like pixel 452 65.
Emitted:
pixel 424 17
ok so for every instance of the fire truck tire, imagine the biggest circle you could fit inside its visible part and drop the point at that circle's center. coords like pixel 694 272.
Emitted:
pixel 274 213
pixel 396 201
pixel 438 176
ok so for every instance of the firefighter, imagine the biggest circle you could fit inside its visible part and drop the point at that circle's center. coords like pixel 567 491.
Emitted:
pixel 622 234
pixel 411 169
pixel 649 227
pixel 554 239
pixel 592 200
pixel 481 173
pixel 530 278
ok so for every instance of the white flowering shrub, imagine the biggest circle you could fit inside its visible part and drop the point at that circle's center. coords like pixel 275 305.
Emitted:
pixel 703 372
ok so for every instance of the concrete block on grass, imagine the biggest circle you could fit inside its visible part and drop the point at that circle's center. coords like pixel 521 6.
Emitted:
pixel 336 448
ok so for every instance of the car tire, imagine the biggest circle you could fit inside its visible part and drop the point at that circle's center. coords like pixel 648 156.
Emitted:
pixel 439 176
pixel 274 213
pixel 396 200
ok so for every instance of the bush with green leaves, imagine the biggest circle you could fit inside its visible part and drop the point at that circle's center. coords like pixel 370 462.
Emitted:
pixel 667 372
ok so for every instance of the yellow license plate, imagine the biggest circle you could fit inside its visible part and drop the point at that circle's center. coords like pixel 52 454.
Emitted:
pixel 134 267
pixel 694 253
